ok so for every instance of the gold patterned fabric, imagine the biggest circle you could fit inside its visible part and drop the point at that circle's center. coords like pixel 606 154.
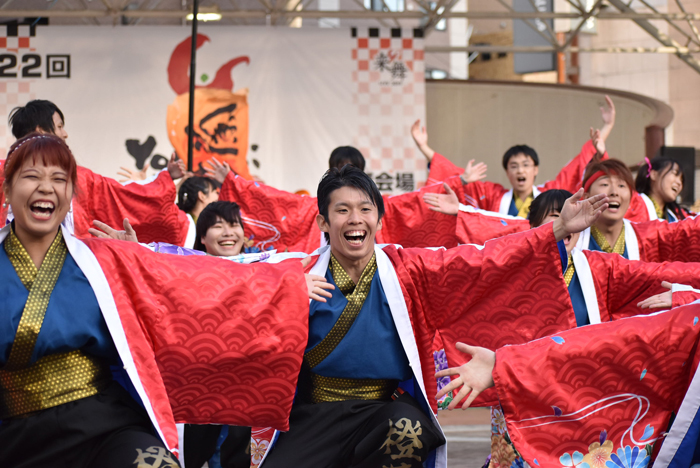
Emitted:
pixel 618 248
pixel 570 271
pixel 523 206
pixel 326 389
pixel 658 209
pixel 54 379
pixel 356 295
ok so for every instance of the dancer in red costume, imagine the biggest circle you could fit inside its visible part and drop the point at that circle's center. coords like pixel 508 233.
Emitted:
pixel 148 204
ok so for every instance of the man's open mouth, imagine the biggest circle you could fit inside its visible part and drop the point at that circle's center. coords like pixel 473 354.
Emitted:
pixel 355 237
pixel 521 180
pixel 43 209
pixel 613 206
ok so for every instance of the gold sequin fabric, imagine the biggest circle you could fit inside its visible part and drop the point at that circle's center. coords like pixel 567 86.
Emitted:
pixel 40 284
pixel 658 209
pixel 618 248
pixel 356 295
pixel 326 389
pixel 570 271
pixel 52 380
pixel 523 206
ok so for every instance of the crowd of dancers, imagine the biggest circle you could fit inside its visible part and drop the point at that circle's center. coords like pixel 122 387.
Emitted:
pixel 186 319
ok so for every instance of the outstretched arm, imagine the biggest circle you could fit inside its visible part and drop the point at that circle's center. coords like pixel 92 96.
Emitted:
pixel 608 114
pixel 420 136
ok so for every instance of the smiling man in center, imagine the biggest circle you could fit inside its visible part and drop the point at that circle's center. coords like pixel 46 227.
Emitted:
pixel 366 388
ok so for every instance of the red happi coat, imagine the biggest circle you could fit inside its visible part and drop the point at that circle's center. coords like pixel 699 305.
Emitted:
pixel 594 392
pixel 477 226
pixel 203 340
pixel 488 195
pixel 288 221
pixel 150 207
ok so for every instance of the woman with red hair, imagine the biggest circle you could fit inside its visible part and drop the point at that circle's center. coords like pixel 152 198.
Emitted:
pixel 100 347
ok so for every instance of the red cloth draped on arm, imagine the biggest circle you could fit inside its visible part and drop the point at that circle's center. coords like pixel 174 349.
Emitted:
pixel 150 207
pixel 631 366
pixel 660 241
pixel 621 284
pixel 477 228
pixel 225 341
pixel 509 291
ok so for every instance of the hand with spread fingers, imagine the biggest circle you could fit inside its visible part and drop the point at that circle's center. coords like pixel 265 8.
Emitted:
pixel 474 376
pixel 106 232
pixel 446 203
pixel 217 170
pixel 660 301
pixel 473 172
pixel 318 287
pixel 577 215
pixel 129 174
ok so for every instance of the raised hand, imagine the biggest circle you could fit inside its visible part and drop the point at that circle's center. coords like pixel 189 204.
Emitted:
pixel 129 174
pixel 473 172
pixel 106 232
pixel 446 203
pixel 598 143
pixel 660 301
pixel 176 167
pixel 217 170
pixel 317 287
pixel 420 136
pixel 474 376
pixel 577 215
pixel 608 115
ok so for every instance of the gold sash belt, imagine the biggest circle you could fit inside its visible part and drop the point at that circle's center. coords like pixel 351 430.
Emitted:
pixel 53 380
pixel 326 389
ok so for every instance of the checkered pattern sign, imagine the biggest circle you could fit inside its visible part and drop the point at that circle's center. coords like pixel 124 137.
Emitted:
pixel 14 89
pixel 389 95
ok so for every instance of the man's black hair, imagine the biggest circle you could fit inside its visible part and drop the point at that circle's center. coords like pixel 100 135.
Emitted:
pixel 347 176
pixel 518 149
pixel 226 210
pixel 188 194
pixel 37 113
pixel 545 203
pixel 343 155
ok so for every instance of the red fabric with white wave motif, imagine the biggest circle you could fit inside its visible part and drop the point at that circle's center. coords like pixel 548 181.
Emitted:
pixel 629 365
pixel 477 228
pixel 214 342
pixel 661 241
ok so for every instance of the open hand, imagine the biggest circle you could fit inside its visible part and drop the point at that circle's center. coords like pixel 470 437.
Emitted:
pixel 474 376
pixel 608 112
pixel 217 170
pixel 420 136
pixel 106 232
pixel 318 287
pixel 660 301
pixel 598 142
pixel 130 174
pixel 474 172
pixel 446 203
pixel 176 167
pixel 577 215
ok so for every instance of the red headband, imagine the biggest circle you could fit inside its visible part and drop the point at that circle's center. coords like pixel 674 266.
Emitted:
pixel 593 178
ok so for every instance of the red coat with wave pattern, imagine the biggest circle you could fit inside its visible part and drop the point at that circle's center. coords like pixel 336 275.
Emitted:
pixel 650 357
pixel 213 341
pixel 150 207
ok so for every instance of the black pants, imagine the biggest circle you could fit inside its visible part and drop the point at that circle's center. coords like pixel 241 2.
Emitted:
pixel 200 445
pixel 357 434
pixel 107 430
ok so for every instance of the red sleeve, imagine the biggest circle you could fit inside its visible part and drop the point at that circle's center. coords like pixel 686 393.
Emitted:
pixel 621 284
pixel 441 168
pixel 477 228
pixel 150 207
pixel 225 341
pixel 273 217
pixel 637 212
pixel 571 176
pixel 484 195
pixel 681 298
pixel 597 387
pixel 661 241
pixel 469 293
pixel 408 221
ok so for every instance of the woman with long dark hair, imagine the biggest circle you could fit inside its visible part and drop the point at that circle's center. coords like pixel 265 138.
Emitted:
pixel 659 182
